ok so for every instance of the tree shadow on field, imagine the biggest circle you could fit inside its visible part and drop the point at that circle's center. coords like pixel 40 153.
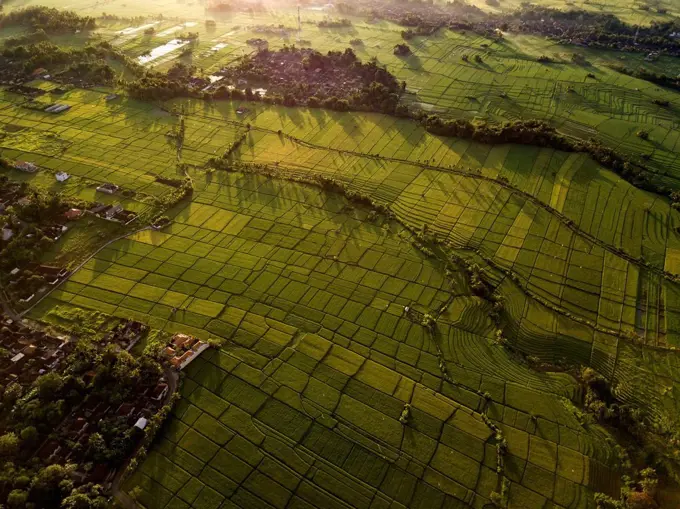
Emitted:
pixel 248 147
pixel 413 61
pixel 267 192
pixel 348 122
pixel 656 145
pixel 320 115
pixel 396 131
pixel 347 30
pixel 483 66
pixel 129 108
pixel 293 114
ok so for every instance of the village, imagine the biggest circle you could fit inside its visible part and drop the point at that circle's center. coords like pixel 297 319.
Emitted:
pixel 107 421
pixel 25 279
pixel 305 76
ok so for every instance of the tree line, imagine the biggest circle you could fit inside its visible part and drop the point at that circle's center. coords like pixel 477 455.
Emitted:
pixel 663 80
pixel 49 19
pixel 541 134
pixel 90 62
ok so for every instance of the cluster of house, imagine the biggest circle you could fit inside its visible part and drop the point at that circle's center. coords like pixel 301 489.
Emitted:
pixel 83 421
pixel 53 232
pixel 29 353
pixel 114 213
pixel 26 166
pixel 78 427
pixel 280 30
pixel 258 42
pixel 50 274
pixel 108 188
pixel 127 334
pixel 26 90
pixel 183 349
pixel 286 68
pixel 40 73
pixel 11 195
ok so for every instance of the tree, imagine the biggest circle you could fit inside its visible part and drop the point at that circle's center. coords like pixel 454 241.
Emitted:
pixel 135 492
pixel 49 386
pixel 17 499
pixel 98 448
pixel 402 50
pixel 640 500
pixel 85 497
pixel 9 445
pixel 29 435
pixel 12 393
pixel 50 485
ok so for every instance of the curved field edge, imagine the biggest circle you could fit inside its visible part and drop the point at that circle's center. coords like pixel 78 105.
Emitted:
pixel 283 372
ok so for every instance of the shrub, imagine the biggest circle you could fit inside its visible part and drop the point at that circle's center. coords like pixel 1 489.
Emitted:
pixel 402 50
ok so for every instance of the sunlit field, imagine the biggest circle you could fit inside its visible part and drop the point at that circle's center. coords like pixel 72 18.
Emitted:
pixel 321 248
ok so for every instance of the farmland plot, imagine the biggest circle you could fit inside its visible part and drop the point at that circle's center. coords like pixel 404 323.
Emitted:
pixel 301 407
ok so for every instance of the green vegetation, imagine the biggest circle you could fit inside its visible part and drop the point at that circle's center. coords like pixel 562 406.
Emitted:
pixel 31 418
pixel 441 268
pixel 48 20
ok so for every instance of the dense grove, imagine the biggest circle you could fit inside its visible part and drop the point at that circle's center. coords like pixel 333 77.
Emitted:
pixel 28 222
pixel 30 415
pixel 48 19
pixel 662 80
pixel 32 38
pixel 157 87
pixel 90 64
pixel 337 80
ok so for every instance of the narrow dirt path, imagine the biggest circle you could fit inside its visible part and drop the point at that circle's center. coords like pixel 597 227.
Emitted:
pixel 76 269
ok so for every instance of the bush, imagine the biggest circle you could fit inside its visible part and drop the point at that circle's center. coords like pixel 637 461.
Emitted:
pixel 402 50
pixel 17 499
pixel 9 445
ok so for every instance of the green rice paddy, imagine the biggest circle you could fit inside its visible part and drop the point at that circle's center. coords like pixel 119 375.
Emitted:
pixel 300 407
pixel 302 404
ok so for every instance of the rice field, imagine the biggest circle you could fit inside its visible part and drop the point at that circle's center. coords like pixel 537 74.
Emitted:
pixel 510 208
pixel 508 84
pixel 514 204
pixel 581 99
pixel 300 407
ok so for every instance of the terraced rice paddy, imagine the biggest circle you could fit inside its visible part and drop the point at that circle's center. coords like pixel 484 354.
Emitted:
pixel 250 251
pixel 300 408
pixel 302 405
pixel 272 266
